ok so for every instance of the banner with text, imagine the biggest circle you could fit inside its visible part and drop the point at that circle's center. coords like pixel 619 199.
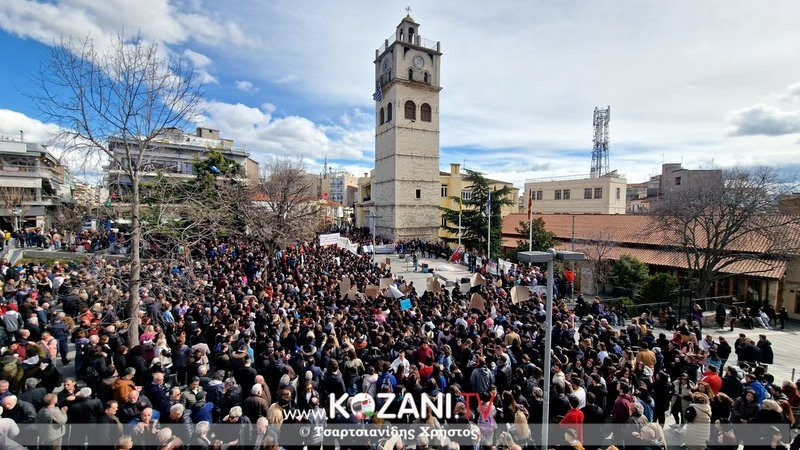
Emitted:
pixel 328 239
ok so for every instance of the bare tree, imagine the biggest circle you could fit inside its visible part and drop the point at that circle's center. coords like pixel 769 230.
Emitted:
pixel 288 201
pixel 70 217
pixel 719 223
pixel 597 247
pixel 117 103
pixel 178 214
pixel 13 199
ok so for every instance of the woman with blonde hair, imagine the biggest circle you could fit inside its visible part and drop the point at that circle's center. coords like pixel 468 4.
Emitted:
pixel 520 430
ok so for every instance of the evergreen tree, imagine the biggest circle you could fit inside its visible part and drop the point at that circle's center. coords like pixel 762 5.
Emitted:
pixel 473 215
pixel 542 239
pixel 629 272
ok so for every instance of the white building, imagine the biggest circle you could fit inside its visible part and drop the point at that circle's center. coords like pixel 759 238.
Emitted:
pixel 570 195
pixel 32 184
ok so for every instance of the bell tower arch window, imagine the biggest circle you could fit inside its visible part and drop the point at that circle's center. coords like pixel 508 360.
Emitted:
pixel 410 35
pixel 410 110
pixel 425 112
pixel 389 112
pixel 381 116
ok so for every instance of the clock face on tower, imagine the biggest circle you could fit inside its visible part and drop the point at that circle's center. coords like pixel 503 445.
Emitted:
pixel 419 62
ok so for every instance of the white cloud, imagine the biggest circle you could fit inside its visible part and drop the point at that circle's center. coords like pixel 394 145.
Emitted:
pixel 246 86
pixel 793 91
pixel 265 135
pixel 158 20
pixel 764 120
pixel 202 64
pixel 286 79
pixel 11 122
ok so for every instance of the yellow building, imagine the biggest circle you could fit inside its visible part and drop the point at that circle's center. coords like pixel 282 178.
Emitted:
pixel 451 184
pixel 454 185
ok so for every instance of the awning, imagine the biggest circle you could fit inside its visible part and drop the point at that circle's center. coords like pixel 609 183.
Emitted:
pixel 21 182
pixel 33 211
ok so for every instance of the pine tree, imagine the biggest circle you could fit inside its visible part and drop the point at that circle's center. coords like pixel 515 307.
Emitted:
pixel 473 215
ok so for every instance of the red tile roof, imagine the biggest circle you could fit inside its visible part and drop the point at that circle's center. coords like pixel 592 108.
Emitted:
pixel 633 235
pixel 631 229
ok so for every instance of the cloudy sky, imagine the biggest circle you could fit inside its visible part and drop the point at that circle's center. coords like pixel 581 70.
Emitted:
pixel 706 83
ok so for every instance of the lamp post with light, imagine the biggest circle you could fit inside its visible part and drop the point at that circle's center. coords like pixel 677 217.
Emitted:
pixel 548 257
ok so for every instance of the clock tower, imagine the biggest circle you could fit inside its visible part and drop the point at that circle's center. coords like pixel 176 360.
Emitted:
pixel 406 184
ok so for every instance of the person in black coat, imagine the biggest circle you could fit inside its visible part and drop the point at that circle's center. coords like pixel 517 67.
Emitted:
pixel 731 384
pixel 765 346
pixel 246 375
pixel 85 410
pixel 155 392
pixel 332 382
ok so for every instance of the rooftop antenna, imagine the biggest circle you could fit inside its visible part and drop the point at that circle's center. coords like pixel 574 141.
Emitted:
pixel 21 136
pixel 600 148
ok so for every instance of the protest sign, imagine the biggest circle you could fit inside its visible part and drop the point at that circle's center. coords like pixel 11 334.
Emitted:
pixel 405 304
pixel 519 294
pixel 477 280
pixel 328 239
pixel 386 282
pixel 344 285
pixel 395 292
pixel 433 285
pixel 372 291
pixel 477 302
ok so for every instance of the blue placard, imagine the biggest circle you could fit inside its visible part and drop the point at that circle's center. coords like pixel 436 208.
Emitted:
pixel 405 304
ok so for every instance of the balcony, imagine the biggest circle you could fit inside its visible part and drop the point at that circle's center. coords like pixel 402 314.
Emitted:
pixel 419 41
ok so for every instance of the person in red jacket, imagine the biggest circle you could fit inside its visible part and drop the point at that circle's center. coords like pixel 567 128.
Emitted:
pixel 574 418
pixel 714 381
pixel 623 405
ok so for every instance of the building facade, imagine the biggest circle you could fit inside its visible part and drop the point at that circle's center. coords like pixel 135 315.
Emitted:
pixel 405 186
pixel 174 156
pixel 641 196
pixel 340 187
pixel 454 185
pixel 33 184
pixel 600 195
pixel 758 280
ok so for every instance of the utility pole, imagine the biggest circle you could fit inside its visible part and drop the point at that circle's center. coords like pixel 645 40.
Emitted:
pixel 373 217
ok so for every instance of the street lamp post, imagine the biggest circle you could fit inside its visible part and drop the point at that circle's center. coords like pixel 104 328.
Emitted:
pixel 548 257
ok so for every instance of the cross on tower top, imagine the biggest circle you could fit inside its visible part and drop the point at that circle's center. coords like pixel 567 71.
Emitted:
pixel 408 10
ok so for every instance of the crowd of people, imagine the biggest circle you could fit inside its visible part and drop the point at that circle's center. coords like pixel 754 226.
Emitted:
pixel 83 240
pixel 232 344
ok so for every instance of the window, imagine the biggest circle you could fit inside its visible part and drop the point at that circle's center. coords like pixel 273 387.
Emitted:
pixel 677 181
pixel 566 194
pixel 598 192
pixel 380 114
pixel 444 190
pixel 587 193
pixel 538 195
pixel 466 195
pixel 425 77
pixel 558 194
pixel 425 112
pixel 411 35
pixel 618 192
pixel 410 74
pixel 411 110
pixel 419 194
pixel 389 112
